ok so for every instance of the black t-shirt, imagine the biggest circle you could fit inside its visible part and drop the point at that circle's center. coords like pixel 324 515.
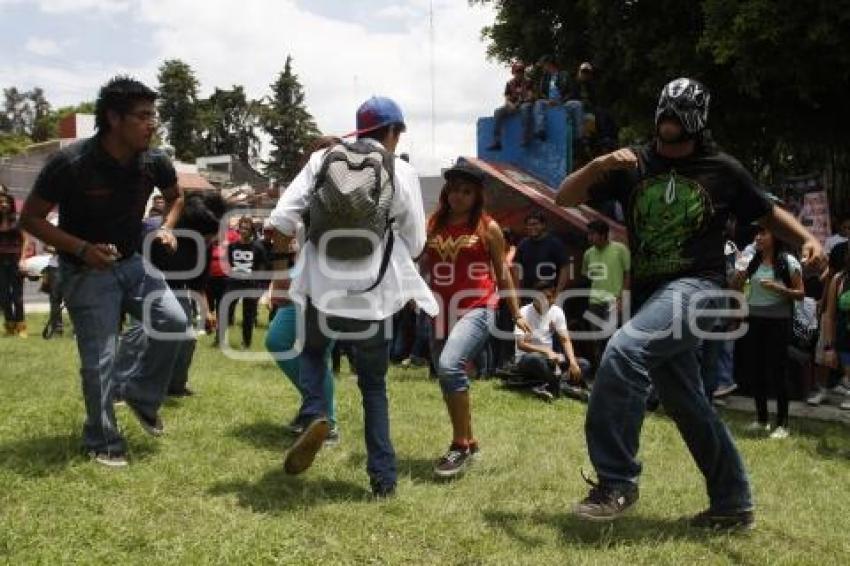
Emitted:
pixel 100 200
pixel 246 259
pixel 676 210
pixel 540 260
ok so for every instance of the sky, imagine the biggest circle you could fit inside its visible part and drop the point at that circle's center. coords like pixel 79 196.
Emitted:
pixel 343 53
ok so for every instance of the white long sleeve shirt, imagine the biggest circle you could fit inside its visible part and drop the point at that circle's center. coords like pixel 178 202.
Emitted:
pixel 327 281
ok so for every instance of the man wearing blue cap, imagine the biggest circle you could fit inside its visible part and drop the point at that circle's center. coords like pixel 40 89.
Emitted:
pixel 345 292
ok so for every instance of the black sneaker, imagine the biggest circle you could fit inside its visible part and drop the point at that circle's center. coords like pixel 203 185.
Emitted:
pixel 185 392
pixel 723 521
pixel 383 491
pixel 304 450
pixel 294 427
pixel 604 503
pixel 453 462
pixel 151 425
pixel 110 460
pixel 542 392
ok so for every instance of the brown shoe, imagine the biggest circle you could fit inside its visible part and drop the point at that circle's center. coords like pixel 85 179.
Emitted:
pixel 304 450
pixel 21 330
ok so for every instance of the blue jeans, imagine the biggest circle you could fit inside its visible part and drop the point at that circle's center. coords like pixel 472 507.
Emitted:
pixel 281 338
pixel 96 301
pixel 630 364
pixel 717 364
pixel 466 339
pixel 575 111
pixel 133 348
pixel 371 360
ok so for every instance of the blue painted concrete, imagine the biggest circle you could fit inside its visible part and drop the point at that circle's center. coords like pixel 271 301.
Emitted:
pixel 549 161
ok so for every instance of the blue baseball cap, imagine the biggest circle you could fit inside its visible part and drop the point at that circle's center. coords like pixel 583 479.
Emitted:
pixel 375 113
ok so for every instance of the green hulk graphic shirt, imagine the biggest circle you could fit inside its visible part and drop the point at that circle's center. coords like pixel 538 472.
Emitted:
pixel 676 210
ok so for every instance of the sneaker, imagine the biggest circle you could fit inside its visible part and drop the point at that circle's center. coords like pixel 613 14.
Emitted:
pixel 151 425
pixel 333 437
pixel 604 503
pixel 453 462
pixel 383 491
pixel 756 426
pixel 723 521
pixel 816 398
pixel 722 392
pixel 845 405
pixel 304 450
pixel 294 427
pixel 542 392
pixel 841 389
pixel 109 460
pixel 779 433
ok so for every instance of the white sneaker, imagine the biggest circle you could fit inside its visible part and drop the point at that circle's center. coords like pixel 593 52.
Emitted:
pixel 756 426
pixel 816 398
pixel 845 405
pixel 722 392
pixel 779 433
pixel 840 389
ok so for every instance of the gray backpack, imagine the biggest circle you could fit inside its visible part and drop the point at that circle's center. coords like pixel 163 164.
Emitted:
pixel 354 190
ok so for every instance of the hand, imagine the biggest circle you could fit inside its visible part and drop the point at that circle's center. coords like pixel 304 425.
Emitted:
pixel 813 254
pixel 166 237
pixel 574 373
pixel 99 256
pixel 211 320
pixel 523 324
pixel 622 159
pixel 553 356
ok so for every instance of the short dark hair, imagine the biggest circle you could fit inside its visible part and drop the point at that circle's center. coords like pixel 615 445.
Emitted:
pixel 599 227
pixel 119 95
pixel 544 285
pixel 382 133
pixel 202 212
pixel 535 215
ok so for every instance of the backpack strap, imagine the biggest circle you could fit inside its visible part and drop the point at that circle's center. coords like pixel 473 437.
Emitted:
pixel 389 165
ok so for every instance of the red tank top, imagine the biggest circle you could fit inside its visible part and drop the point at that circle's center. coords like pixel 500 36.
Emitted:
pixel 460 263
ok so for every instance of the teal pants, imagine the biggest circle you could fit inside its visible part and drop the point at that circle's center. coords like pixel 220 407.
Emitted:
pixel 281 338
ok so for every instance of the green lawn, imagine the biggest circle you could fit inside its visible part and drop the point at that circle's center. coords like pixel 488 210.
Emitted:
pixel 213 491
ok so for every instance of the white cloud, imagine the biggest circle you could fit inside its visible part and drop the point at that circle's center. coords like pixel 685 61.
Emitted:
pixel 76 6
pixel 42 46
pixel 341 64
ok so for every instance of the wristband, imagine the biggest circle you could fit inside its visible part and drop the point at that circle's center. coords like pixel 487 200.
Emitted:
pixel 81 251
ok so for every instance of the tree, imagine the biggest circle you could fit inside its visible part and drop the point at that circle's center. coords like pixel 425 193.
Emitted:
pixel 40 127
pixel 777 69
pixel 229 124
pixel 17 111
pixel 289 125
pixel 178 107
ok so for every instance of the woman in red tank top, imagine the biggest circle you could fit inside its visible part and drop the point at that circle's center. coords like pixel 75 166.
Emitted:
pixel 465 258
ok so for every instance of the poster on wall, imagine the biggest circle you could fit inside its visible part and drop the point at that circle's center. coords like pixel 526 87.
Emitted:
pixel 806 199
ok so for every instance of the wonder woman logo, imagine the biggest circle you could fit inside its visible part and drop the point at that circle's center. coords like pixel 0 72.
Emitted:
pixel 448 247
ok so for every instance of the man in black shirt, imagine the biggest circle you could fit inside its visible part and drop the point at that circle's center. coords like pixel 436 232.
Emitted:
pixel 678 192
pixel 541 256
pixel 101 186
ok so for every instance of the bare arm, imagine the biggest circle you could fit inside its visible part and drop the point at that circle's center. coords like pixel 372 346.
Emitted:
pixel 174 208
pixel 563 275
pixel 788 229
pixel 496 247
pixel 34 221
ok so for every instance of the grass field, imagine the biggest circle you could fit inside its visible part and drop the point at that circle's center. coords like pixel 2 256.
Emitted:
pixel 213 490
